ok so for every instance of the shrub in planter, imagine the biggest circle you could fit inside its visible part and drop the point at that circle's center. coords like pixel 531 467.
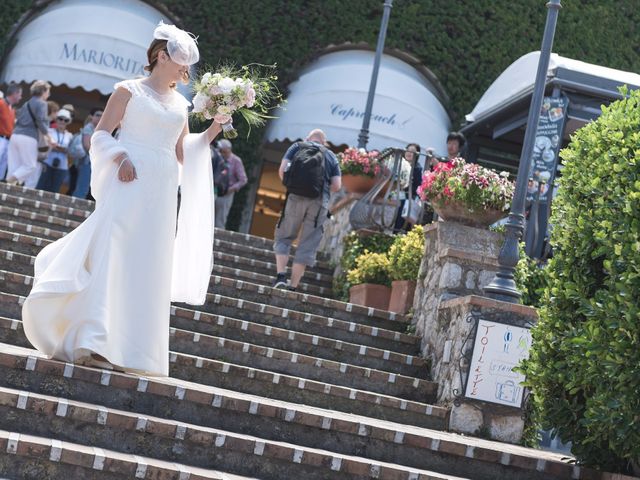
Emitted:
pixel 370 280
pixel 354 246
pixel 585 361
pixel 405 257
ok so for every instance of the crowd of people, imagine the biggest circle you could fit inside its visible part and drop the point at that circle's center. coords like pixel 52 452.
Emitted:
pixel 37 150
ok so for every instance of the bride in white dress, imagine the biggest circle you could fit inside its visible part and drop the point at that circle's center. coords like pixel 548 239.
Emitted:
pixel 102 293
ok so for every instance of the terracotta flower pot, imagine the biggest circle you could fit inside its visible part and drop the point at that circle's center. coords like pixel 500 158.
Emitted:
pixel 358 183
pixel 401 299
pixel 455 212
pixel 370 295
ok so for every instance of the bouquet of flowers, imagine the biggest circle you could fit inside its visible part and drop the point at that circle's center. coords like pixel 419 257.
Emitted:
pixel 357 161
pixel 469 184
pixel 247 91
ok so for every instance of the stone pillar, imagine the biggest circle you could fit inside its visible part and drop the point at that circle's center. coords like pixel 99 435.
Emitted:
pixel 458 262
pixel 456 320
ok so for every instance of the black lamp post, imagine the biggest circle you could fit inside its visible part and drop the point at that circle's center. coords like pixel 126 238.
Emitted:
pixel 363 137
pixel 503 286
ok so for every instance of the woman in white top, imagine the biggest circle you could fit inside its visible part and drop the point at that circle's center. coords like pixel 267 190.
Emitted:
pixel 56 165
pixel 102 293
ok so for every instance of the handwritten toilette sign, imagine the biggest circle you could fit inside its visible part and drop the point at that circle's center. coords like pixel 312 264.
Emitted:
pixel 497 350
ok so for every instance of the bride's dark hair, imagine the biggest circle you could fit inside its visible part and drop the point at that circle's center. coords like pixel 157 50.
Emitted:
pixel 152 57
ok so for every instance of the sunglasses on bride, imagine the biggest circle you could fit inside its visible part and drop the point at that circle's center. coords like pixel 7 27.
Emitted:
pixel 62 119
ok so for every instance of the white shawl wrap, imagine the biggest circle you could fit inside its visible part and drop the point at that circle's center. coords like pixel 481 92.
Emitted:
pixel 193 249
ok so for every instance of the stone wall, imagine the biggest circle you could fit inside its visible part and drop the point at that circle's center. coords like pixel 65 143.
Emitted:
pixel 458 261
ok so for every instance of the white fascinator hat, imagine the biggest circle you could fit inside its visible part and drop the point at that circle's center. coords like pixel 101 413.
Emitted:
pixel 181 45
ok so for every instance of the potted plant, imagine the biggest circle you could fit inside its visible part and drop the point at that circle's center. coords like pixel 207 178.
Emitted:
pixel 370 280
pixel 405 257
pixel 467 193
pixel 359 169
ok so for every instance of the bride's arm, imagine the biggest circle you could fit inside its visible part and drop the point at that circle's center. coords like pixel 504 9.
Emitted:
pixel 114 111
pixel 211 133
pixel 111 118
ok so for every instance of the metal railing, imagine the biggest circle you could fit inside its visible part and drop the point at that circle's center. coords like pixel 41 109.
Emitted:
pixel 372 211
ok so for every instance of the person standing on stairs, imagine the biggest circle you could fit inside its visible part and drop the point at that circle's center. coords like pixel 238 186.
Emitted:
pixel 7 122
pixel 229 176
pixel 101 294
pixel 310 171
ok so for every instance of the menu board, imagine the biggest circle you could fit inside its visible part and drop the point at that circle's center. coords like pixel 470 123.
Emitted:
pixel 544 159
pixel 497 350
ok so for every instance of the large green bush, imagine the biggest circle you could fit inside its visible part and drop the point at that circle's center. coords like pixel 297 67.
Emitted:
pixel 585 362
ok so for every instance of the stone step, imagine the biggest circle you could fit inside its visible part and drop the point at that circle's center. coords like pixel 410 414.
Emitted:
pixel 282 387
pixel 31 245
pixel 345 434
pixel 265 321
pixel 59 198
pixel 318 275
pixel 235 241
pixel 261 294
pixel 309 303
pixel 108 428
pixel 32 456
pixel 215 355
pixel 269 268
pixel 43 207
pixel 67 201
pixel 298 342
pixel 22 263
pixel 245 265
pixel 248 251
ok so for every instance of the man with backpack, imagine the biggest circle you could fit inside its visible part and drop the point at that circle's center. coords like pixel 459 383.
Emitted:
pixel 229 176
pixel 310 171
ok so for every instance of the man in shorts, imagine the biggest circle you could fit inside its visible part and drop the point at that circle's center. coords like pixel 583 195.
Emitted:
pixel 303 215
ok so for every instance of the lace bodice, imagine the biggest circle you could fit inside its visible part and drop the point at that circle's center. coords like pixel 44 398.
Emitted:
pixel 152 119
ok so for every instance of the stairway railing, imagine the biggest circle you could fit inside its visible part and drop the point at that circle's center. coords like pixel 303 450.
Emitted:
pixel 367 213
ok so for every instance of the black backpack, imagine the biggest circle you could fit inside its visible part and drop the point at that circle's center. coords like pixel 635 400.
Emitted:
pixel 305 174
pixel 221 174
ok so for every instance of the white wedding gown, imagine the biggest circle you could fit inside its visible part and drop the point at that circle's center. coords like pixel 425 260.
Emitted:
pixel 106 287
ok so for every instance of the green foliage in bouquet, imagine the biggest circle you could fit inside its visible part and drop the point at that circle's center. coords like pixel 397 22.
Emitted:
pixel 354 246
pixel 405 255
pixel 250 90
pixel 585 362
pixel 370 268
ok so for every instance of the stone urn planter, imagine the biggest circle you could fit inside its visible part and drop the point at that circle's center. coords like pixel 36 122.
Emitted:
pixel 370 295
pixel 358 183
pixel 457 212
pixel 402 292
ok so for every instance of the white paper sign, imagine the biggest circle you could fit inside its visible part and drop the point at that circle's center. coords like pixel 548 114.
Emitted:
pixel 498 349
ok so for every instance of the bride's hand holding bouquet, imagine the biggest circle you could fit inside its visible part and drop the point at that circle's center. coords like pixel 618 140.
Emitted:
pixel 245 90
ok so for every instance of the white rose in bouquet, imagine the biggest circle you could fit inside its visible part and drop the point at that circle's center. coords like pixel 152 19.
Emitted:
pixel 221 94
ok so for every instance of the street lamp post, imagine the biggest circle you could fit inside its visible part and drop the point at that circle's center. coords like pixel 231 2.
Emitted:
pixel 503 286
pixel 363 137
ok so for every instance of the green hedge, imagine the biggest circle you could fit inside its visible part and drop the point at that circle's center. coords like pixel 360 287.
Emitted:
pixel 585 361
pixel 467 44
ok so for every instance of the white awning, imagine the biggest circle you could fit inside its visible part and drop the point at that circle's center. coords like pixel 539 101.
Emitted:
pixel 84 43
pixel 519 77
pixel 331 94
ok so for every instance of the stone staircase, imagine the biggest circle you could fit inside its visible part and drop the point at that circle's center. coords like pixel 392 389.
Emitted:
pixel 266 384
